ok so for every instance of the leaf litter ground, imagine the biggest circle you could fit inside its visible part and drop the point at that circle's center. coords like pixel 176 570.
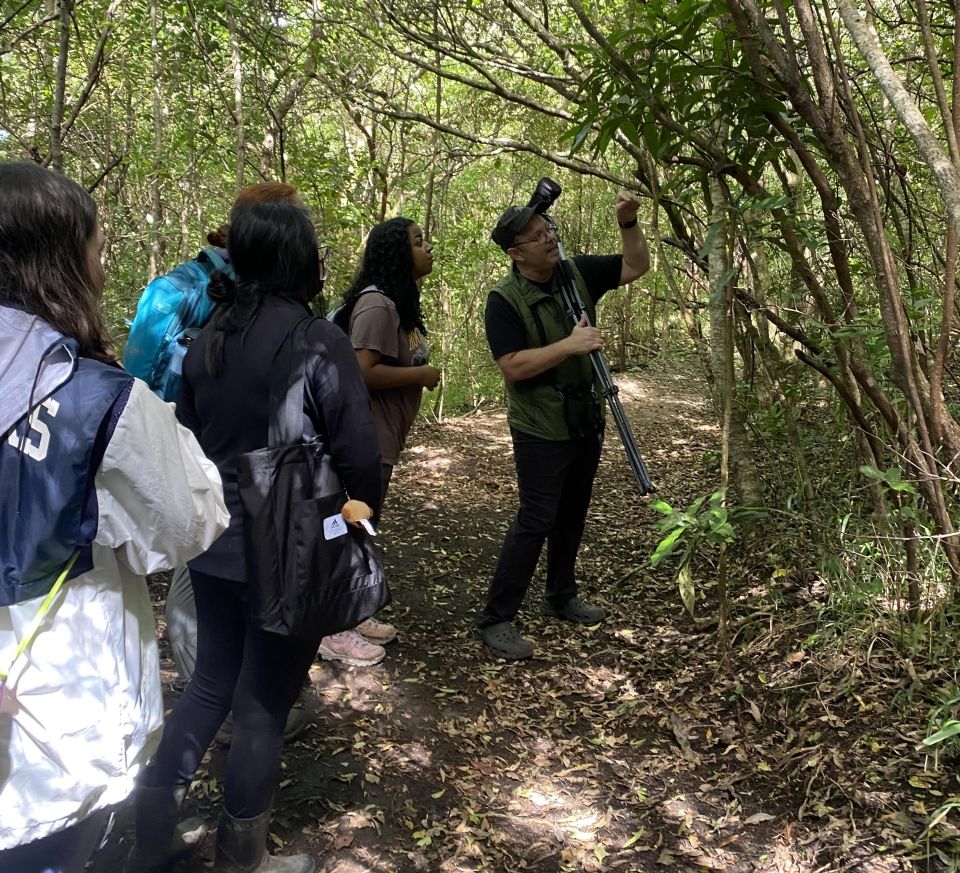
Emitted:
pixel 625 746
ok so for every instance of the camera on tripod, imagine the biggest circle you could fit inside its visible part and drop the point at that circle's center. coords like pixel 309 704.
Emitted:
pixel 543 197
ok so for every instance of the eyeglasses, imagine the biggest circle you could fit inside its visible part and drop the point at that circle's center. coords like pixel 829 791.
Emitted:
pixel 542 237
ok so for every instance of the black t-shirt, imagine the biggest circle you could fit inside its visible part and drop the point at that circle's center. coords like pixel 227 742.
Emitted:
pixel 505 330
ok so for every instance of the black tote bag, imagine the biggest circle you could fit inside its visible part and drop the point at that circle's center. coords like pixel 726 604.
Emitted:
pixel 310 574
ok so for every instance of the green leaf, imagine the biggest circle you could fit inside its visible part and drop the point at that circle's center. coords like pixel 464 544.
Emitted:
pixel 695 506
pixel 709 239
pixel 891 477
pixel 902 486
pixel 666 546
pixel 950 729
pixel 630 131
pixel 770 203
pixel 580 136
pixel 651 135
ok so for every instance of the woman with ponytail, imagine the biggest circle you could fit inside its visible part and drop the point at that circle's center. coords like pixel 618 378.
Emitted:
pixel 225 402
pixel 382 314
pixel 180 608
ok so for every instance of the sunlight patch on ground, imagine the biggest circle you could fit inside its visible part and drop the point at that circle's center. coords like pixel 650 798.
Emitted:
pixel 491 427
pixel 656 394
pixel 569 827
pixel 584 826
pixel 542 795
pixel 336 685
pixel 601 681
pixel 660 392
pixel 539 799
pixel 414 755
pixel 429 460
pixel 679 809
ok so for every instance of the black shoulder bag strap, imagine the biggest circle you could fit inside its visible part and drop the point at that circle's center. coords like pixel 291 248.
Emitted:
pixel 287 383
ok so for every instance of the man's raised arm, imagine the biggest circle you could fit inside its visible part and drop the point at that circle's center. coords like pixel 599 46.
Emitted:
pixel 636 257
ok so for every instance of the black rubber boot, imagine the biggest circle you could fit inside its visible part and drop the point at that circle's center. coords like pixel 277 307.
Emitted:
pixel 161 839
pixel 242 848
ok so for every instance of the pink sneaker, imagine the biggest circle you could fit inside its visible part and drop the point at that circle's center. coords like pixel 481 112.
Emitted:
pixel 378 632
pixel 351 648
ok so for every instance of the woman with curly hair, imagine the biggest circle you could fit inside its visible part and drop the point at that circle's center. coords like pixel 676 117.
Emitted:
pixel 381 313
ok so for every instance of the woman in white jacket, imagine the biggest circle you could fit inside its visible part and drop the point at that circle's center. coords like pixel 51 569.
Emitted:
pixel 99 486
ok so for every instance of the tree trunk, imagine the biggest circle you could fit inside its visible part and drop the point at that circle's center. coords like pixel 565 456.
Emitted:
pixel 721 343
pixel 237 65
pixel 943 169
pixel 60 89
pixel 855 171
pixel 156 258
pixel 737 452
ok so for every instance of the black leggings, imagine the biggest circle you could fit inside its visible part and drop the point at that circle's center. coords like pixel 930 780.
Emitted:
pixel 257 675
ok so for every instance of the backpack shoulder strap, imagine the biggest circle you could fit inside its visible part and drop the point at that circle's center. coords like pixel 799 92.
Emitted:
pixel 214 258
pixel 372 289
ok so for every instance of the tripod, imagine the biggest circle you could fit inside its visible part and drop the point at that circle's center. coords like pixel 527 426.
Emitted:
pixel 608 388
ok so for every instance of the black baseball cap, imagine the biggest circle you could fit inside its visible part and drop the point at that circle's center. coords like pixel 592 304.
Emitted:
pixel 513 220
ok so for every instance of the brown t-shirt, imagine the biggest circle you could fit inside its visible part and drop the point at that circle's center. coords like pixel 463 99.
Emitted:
pixel 375 325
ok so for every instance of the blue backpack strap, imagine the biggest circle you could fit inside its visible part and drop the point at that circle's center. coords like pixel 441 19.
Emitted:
pixel 216 260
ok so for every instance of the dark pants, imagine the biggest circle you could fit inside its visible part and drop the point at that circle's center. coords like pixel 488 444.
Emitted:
pixel 555 481
pixel 386 474
pixel 66 851
pixel 257 675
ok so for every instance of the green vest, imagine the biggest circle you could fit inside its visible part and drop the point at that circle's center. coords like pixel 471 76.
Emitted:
pixel 562 402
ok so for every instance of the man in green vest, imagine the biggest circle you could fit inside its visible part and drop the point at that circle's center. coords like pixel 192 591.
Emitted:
pixel 554 411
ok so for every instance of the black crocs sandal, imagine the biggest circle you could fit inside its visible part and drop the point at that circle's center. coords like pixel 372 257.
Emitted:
pixel 575 610
pixel 504 641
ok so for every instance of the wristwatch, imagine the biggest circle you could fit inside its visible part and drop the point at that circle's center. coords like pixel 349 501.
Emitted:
pixel 626 225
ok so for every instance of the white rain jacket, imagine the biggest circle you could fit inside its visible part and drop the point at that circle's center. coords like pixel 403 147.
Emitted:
pixel 83 710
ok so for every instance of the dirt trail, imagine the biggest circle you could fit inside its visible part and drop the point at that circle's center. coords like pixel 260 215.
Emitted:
pixel 620 747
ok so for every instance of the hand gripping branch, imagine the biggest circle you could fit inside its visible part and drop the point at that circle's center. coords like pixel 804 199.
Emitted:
pixel 547 191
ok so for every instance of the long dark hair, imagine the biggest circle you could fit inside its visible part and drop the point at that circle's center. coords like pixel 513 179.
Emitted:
pixel 46 224
pixel 388 264
pixel 273 249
